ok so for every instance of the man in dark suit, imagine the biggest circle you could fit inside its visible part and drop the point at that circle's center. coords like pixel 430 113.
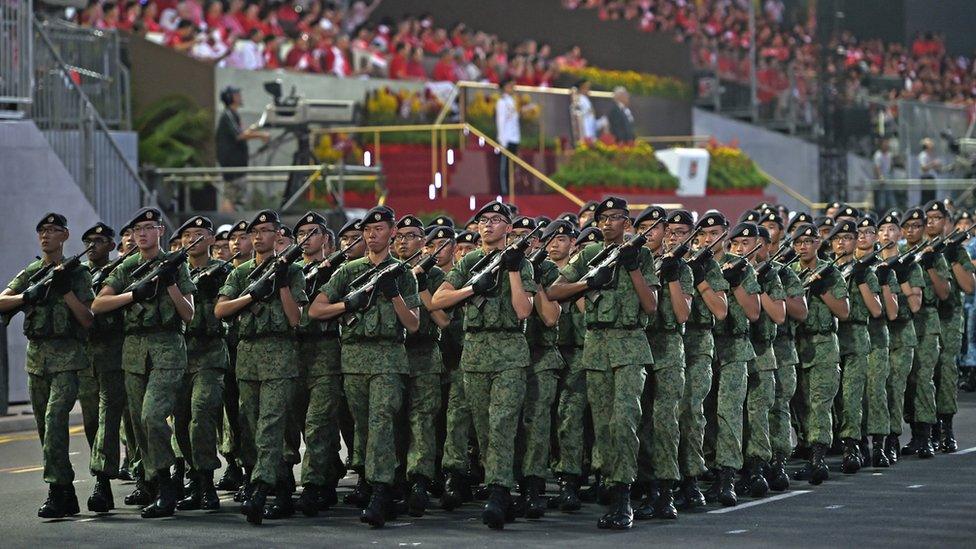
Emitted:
pixel 620 119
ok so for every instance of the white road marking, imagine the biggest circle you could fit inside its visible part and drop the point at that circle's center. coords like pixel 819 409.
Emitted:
pixel 966 451
pixel 737 531
pixel 832 507
pixel 760 502
pixel 87 519
pixel 877 474
pixel 913 486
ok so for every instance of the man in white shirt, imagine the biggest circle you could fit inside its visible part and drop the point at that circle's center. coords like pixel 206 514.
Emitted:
pixel 509 134
pixel 247 53
pixel 928 167
pixel 885 199
pixel 584 113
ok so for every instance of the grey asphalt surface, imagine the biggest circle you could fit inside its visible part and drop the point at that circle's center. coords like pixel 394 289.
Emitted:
pixel 930 503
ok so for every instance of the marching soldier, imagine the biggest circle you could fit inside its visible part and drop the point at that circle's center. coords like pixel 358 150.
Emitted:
pixel 221 246
pixel 467 242
pixel 154 352
pixel 56 315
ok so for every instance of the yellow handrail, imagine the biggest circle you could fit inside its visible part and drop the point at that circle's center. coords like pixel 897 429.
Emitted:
pixel 799 197
pixel 531 89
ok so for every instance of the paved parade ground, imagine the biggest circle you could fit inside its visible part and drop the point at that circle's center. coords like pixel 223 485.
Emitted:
pixel 917 503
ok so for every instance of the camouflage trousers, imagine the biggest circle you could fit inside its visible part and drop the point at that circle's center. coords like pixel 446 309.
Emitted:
pixel 106 359
pixel 230 432
pixel 920 391
pixel 779 414
pixel 570 411
pixel 152 400
pixel 263 412
pixel 88 398
pixel 321 464
pixel 691 414
pixel 947 371
pixel 723 415
pixel 849 402
pixel 422 402
pixel 495 400
pixel 900 361
pixel 199 412
pixel 535 444
pixel 457 425
pixel 760 395
pixel 615 402
pixel 818 380
pixel 876 417
pixel 52 397
pixel 657 455
pixel 374 402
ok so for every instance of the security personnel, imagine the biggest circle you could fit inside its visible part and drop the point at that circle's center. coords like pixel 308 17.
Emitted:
pixel 199 409
pixel 318 387
pixel 495 354
pixel 854 339
pixel 616 351
pixel 902 339
pixel 657 458
pixel 154 351
pixel 818 349
pixel 877 419
pixel 542 379
pixel 55 319
pixel 920 392
pixel 104 347
pixel 709 305
pixel 373 356
pixel 951 316
pixel 267 362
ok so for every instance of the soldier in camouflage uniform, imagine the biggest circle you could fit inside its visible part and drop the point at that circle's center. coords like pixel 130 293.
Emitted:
pixel 154 351
pixel 495 354
pixel 951 317
pixel 920 391
pixel 104 348
pixel 199 410
pixel 267 309
pixel 616 351
pixel 56 316
pixel 374 325
pixel 318 388
pixel 657 458
pixel 818 378
pixel 854 340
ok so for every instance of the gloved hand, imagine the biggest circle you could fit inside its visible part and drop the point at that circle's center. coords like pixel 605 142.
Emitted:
pixel 670 268
pixel 484 284
pixel 883 272
pixel 60 281
pixel 735 275
pixel 927 261
pixel 263 290
pixel 698 271
pixel 281 274
pixel 629 257
pixel 763 270
pixel 355 301
pixel 167 276
pixel 859 273
pixel 787 256
pixel 824 282
pixel 34 294
pixel 512 259
pixel 951 251
pixel 769 275
pixel 144 291
pixel 422 280
pixel 387 285
pixel 600 279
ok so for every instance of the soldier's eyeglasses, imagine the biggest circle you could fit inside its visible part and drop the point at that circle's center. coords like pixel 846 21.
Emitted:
pixel 407 237
pixel 491 220
pixel 610 217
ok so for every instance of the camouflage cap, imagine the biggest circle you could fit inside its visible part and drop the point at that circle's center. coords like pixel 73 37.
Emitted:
pixel 352 225
pixel 590 206
pixel 468 237
pixel 438 232
pixel 494 207
pixel 379 214
pixel 936 206
pixel 239 226
pixel 410 222
pixel 146 214
pixel 522 222
pixel 442 221
pixel 610 203
pixel 805 229
pixel 799 218
pixel 912 214
pixel 713 218
pixel 561 227
pixel 749 216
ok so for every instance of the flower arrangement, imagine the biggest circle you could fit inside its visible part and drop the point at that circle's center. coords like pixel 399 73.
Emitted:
pixel 624 166
pixel 637 83
pixel 729 168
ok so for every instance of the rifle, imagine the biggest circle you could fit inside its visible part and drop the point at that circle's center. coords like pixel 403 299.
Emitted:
pixel 680 250
pixel 99 279
pixel 699 254
pixel 779 253
pixel 542 253
pixel 428 262
pixel 288 256
pixel 160 265
pixel 208 270
pixel 43 281
pixel 867 260
pixel 325 268
pixel 366 283
pixel 490 264
pixel 810 278
pixel 610 258
pixel 739 261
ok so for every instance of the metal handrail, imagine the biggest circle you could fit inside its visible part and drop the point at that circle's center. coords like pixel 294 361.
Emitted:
pixel 900 184
pixel 532 89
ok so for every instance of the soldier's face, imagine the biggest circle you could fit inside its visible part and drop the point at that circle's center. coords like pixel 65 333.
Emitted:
pixel 240 242
pixel 347 238
pixel 128 242
pixel 518 233
pixel 742 245
pixel 824 231
pixel 282 242
pixel 963 225
pixel 147 234
pixel 654 238
pixel 200 248
pixel 889 232
pixel 408 241
pixel 445 257
pixel 221 250
pixel 493 229
pixel 560 247
pixel 313 245
pixel 378 236
pixel 613 223
pixel 328 245
pixel 775 231
pixel 934 224
pixel 676 234
pixel 101 247
pixel 51 237
pixel 263 237
pixel 913 231
pixel 866 237
pixel 585 218
pixel 806 248
pixel 709 236
pixel 843 244
pixel 462 249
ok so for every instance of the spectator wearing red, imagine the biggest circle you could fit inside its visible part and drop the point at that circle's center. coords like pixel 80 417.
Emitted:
pixel 182 38
pixel 445 70
pixel 415 67
pixel 300 56
pixel 110 17
pixel 399 62
pixel 150 14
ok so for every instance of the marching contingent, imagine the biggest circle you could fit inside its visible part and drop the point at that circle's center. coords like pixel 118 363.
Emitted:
pixel 650 364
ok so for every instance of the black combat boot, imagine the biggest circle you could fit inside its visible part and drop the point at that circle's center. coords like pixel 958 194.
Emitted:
pixel 568 498
pixel 892 448
pixel 101 500
pixel 947 444
pixel 711 494
pixel 535 499
pixel 757 486
pixel 165 503
pixel 253 506
pixel 308 502
pixel 496 508
pixel 178 478
pixel 607 519
pixel 328 497
pixel 418 499
pixel 360 495
pixel 689 495
pixel 818 464
pixel 142 495
pixel 376 512
pixel 282 507
pixel 125 474
pixel 865 447
pixel 852 457
pixel 621 514
pixel 645 509
pixel 208 492
pixel 451 499
pixel 726 490
pixel 924 449
pixel 594 491
pixel 878 456
pixel 935 433
pixel 231 479
pixel 776 476
pixel 53 506
pixel 664 504
pixel 911 448
pixel 192 492
pixel 70 500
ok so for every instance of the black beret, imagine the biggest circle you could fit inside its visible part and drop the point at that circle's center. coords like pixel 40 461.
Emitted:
pixel 175 237
pixel 351 225
pixel 836 205
pixel 800 217
pixel 311 218
pixel 771 215
pixel 845 226
pixel 805 229
pixel 494 207
pixel 543 221
pixel 713 218
pixel 744 229
pixel 749 216
pixel 764 206
pixel 681 217
pixel 763 233
pixel 222 235
pixel 512 208
pixel 650 213
pixel 264 216
pixel 99 229
pixel 145 214
pixel 410 222
pixel 867 221
pixel 438 232
pixel 522 222
pixel 468 237
pixel 823 221
pixel 286 232
pixel 963 214
pixel 239 226
pixel 590 206
pixel 610 203
pixel 379 214
pixel 570 217
pixel 560 227
pixel 196 222
pixel 589 235
pixel 848 211
pixel 890 217
pixel 912 213
pixel 590 223
pixel 936 206
pixel 442 220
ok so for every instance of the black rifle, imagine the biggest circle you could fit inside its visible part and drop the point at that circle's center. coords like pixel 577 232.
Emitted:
pixel 324 269
pixel 288 256
pixel 811 276
pixel 680 250
pixel 542 253
pixel 609 259
pixel 173 261
pixel 429 261
pixel 700 253
pixel 867 260
pixel 366 283
pixel 43 281
pixel 98 280
pixel 209 270
pixel 739 261
pixel 490 264
pixel 779 252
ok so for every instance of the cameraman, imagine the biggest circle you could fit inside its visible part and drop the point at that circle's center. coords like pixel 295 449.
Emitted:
pixel 231 140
